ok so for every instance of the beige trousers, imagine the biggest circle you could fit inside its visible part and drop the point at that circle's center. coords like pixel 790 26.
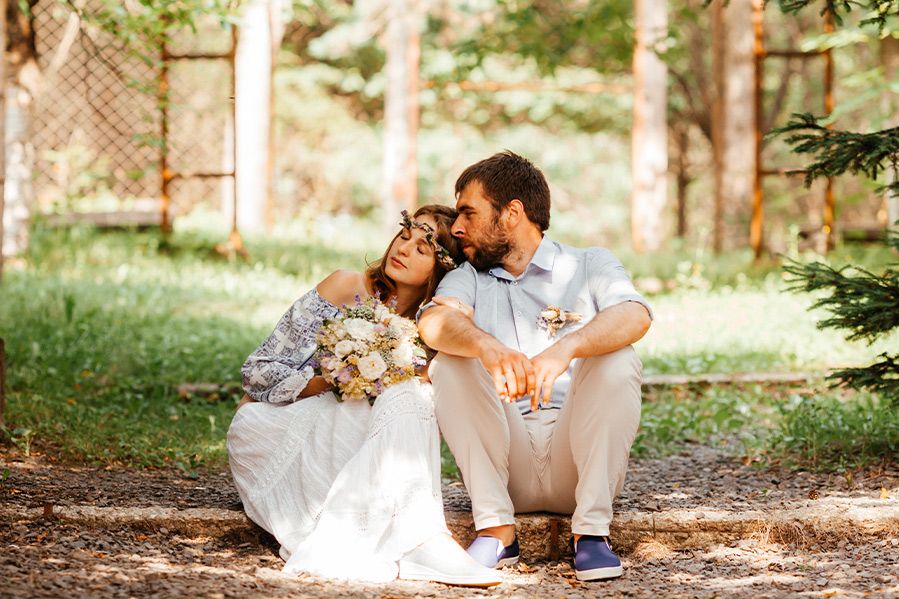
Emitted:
pixel 570 460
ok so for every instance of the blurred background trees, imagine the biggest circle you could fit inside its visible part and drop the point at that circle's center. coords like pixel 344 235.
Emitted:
pixel 640 114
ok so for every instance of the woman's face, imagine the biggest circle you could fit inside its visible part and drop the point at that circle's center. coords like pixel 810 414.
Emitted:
pixel 410 260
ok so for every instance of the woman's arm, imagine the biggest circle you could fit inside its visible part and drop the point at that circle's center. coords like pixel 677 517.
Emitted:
pixel 278 371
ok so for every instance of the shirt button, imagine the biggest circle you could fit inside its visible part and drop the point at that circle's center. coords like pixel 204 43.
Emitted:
pixel 515 282
pixel 518 313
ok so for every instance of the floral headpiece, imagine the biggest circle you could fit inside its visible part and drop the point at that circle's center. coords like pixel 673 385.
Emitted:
pixel 440 252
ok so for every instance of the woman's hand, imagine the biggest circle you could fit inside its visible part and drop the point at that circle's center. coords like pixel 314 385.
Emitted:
pixel 315 386
pixel 456 304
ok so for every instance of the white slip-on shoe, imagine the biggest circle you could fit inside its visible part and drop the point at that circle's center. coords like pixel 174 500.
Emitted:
pixel 441 559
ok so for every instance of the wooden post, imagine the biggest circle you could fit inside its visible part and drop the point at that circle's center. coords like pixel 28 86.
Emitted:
pixel 235 241
pixel 829 201
pixel 165 174
pixel 755 227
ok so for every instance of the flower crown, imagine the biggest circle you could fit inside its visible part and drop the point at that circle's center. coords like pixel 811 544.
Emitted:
pixel 441 253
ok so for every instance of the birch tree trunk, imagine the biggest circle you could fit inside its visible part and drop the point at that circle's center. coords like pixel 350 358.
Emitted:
pixel 22 84
pixel 719 80
pixel 738 135
pixel 254 63
pixel 649 150
pixel 401 111
pixel 3 41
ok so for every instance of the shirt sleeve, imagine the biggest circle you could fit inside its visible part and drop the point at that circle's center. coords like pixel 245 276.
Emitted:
pixel 278 369
pixel 609 282
pixel 460 283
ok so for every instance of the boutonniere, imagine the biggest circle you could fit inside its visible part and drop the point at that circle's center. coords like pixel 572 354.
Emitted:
pixel 553 318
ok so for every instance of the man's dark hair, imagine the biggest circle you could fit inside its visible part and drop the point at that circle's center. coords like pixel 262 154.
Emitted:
pixel 507 176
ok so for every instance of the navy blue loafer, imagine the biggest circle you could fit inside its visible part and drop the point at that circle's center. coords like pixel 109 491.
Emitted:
pixel 594 559
pixel 489 552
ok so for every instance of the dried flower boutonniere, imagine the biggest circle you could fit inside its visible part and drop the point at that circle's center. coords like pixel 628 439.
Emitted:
pixel 553 318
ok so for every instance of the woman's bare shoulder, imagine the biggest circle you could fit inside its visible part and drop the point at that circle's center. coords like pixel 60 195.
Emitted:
pixel 342 286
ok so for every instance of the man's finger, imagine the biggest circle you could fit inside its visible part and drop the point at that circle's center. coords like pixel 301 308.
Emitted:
pixel 535 399
pixel 499 382
pixel 547 391
pixel 530 379
pixel 521 378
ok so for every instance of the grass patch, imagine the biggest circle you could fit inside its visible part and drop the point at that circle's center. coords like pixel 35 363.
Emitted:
pixel 101 328
pixel 835 431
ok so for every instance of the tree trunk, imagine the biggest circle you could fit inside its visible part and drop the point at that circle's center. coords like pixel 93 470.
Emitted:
pixel 22 83
pixel 719 83
pixel 253 95
pixel 649 150
pixel 889 58
pixel 738 135
pixel 3 41
pixel 682 177
pixel 401 111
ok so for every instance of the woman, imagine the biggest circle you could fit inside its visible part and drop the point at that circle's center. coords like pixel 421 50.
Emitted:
pixel 351 490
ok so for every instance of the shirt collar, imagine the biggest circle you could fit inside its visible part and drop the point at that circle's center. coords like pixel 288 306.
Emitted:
pixel 544 258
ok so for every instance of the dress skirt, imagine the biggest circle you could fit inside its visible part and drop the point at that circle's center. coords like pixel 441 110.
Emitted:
pixel 344 487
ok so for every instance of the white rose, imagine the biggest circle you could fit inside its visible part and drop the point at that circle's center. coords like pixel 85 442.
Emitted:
pixel 359 329
pixel 398 326
pixel 402 355
pixel 381 312
pixel 344 348
pixel 371 366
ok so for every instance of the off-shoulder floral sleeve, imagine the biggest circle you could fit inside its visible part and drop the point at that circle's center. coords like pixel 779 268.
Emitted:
pixel 278 370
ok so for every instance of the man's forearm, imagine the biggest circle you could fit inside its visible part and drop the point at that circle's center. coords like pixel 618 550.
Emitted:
pixel 447 330
pixel 608 331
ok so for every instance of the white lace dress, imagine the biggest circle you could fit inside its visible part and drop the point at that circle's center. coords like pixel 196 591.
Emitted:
pixel 345 488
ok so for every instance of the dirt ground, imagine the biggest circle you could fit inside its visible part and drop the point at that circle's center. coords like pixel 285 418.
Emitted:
pixel 50 558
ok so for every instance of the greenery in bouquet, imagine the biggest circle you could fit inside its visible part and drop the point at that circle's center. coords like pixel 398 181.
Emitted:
pixel 367 348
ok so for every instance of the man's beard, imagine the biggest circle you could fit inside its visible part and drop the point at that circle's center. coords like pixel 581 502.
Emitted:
pixel 490 252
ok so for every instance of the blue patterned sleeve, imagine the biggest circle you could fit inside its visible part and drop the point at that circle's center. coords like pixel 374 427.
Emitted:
pixel 278 369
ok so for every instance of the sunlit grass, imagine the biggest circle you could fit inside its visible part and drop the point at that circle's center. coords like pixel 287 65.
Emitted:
pixel 101 329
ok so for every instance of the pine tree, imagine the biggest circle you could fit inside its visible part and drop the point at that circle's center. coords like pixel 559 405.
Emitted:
pixel 861 302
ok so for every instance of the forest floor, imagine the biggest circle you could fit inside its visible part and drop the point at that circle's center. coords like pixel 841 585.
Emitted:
pixel 48 554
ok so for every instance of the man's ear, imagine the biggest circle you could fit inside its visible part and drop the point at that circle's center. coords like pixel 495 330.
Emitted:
pixel 514 212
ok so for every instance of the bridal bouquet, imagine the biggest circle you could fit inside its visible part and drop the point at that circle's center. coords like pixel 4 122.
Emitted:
pixel 366 348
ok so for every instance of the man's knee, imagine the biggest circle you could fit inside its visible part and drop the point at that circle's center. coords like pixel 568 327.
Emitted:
pixel 620 365
pixel 447 368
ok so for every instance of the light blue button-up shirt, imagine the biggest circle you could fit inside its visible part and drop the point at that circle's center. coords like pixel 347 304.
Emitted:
pixel 581 280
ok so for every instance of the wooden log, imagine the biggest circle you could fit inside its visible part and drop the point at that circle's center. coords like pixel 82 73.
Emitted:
pixel 2 384
pixel 106 220
pixel 729 378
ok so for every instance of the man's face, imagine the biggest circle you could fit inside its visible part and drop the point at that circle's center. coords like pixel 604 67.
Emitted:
pixel 478 226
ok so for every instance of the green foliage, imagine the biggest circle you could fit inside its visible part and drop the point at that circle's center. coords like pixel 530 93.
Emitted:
pixel 596 34
pixel 839 152
pixel 713 416
pixel 863 303
pixel 878 11
pixel 830 432
pixel 101 328
pixel 143 26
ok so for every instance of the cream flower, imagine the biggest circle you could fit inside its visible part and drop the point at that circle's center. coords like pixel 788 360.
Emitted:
pixel 371 366
pixel 359 329
pixel 402 355
pixel 344 348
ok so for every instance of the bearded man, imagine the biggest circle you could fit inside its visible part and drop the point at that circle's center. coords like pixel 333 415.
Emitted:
pixel 536 385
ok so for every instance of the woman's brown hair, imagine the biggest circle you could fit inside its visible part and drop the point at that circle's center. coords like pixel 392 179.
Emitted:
pixel 444 217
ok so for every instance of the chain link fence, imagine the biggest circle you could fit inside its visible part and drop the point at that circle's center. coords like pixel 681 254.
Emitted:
pixel 97 121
